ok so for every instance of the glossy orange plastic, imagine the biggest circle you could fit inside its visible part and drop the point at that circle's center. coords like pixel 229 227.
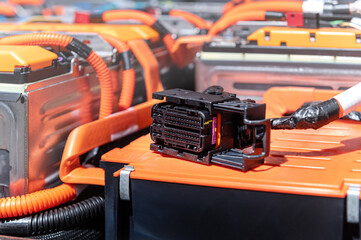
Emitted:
pixel 319 162
pixel 289 99
pixel 34 56
pixel 185 49
pixel 94 134
pixel 300 37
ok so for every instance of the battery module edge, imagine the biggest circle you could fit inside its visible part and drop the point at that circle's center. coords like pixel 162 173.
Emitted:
pixel 210 127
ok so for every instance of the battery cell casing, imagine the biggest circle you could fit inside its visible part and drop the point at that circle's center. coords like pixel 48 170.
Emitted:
pixel 250 70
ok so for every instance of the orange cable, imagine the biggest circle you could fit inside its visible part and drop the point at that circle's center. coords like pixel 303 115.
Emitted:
pixel 169 43
pixel 228 21
pixel 7 9
pixel 275 6
pixel 143 17
pixel 36 202
pixel 128 75
pixel 192 18
pixel 37 39
pixel 231 4
pixel 128 86
pixel 106 84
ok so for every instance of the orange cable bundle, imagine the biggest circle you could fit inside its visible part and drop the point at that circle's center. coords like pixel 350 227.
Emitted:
pixel 148 20
pixel 36 202
pixel 128 74
pixel 106 85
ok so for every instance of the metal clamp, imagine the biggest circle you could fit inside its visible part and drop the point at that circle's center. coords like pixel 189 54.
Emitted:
pixel 124 183
pixel 353 204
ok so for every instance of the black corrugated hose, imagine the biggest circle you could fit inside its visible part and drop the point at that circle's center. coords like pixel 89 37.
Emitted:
pixel 54 222
pixel 73 234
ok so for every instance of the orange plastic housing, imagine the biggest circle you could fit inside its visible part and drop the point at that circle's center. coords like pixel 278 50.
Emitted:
pixel 299 37
pixel 319 162
pixel 33 56
pixel 121 32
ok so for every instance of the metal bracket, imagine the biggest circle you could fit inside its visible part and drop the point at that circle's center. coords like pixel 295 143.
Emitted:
pixel 353 204
pixel 75 66
pixel 124 183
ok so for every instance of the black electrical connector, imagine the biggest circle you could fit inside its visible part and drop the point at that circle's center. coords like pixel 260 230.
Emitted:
pixel 311 20
pixel 210 127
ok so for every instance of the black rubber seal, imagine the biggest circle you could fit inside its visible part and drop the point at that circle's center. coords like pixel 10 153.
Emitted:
pixel 313 116
pixel 157 26
pixel 80 48
pixel 127 61
pixel 274 16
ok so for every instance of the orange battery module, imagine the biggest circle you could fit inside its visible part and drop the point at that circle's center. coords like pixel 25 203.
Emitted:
pixel 303 191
